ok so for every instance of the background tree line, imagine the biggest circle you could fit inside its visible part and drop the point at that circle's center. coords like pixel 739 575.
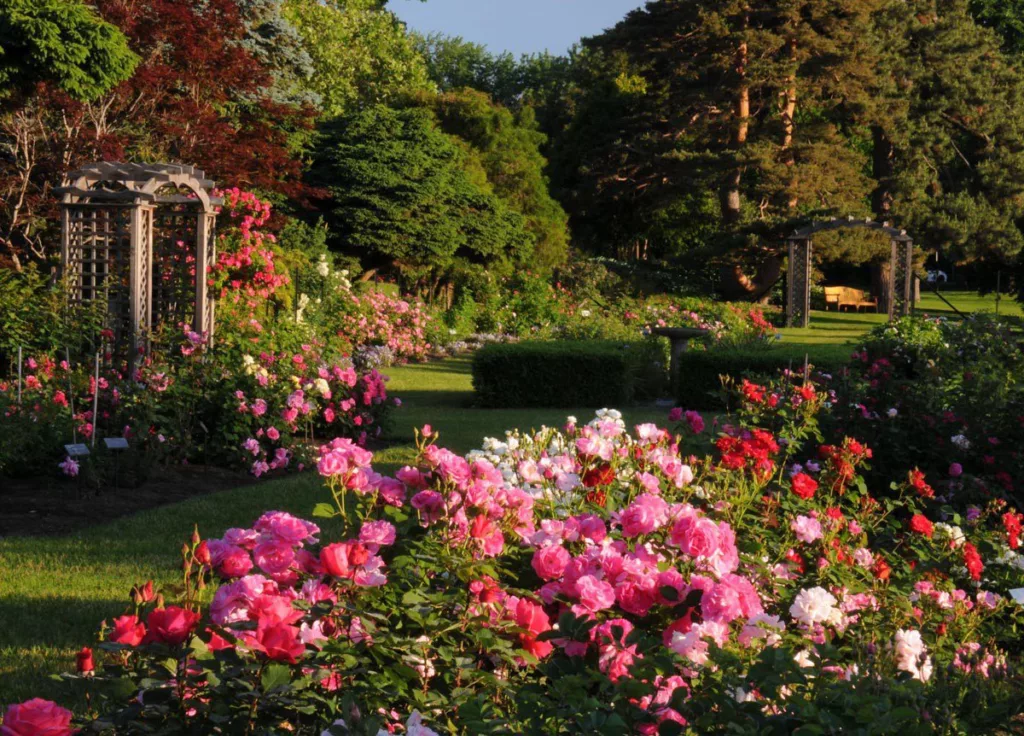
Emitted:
pixel 693 132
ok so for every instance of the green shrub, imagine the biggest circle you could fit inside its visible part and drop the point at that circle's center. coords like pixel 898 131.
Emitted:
pixel 700 371
pixel 568 373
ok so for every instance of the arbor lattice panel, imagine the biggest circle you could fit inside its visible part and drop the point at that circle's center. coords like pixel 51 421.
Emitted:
pixel 139 238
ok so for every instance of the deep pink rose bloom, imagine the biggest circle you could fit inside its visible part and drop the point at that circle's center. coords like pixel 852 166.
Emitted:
pixel 332 464
pixel 379 533
pixel 595 595
pixel 700 538
pixel 171 625
pixel 128 630
pixel 280 642
pixel 430 504
pixel 37 717
pixel 274 556
pixel 721 604
pixel 550 562
pixel 235 563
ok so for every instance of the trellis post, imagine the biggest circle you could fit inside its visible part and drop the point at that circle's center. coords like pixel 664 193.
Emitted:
pixel 798 302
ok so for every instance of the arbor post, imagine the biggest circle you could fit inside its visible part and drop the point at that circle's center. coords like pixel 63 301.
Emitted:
pixel 798 301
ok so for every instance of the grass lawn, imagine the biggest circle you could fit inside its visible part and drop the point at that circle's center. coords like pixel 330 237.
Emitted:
pixel 55 591
pixel 834 333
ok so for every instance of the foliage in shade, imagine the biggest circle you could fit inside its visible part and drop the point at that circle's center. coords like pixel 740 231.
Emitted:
pixel 412 198
pixel 508 145
pixel 63 43
pixel 567 373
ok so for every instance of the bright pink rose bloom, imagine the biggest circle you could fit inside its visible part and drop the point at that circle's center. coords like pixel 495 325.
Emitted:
pixel 375 534
pixel 172 625
pixel 128 630
pixel 280 642
pixel 37 717
pixel 332 464
pixel 274 557
pixel 595 595
pixel 550 562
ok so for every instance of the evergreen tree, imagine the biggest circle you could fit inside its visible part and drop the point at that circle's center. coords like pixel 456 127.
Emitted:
pixel 63 42
pixel 508 146
pixel 410 198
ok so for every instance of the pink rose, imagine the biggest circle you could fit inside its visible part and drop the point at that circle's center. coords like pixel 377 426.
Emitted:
pixel 332 464
pixel 377 534
pixel 595 595
pixel 700 538
pixel 274 557
pixel 550 562
pixel 128 630
pixel 280 642
pixel 37 717
pixel 171 625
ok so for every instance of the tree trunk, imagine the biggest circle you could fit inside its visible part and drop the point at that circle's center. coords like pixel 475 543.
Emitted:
pixel 729 195
pixel 882 285
pixel 788 126
pixel 883 167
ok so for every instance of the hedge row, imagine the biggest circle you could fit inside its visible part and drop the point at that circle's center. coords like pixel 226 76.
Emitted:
pixel 700 372
pixel 564 374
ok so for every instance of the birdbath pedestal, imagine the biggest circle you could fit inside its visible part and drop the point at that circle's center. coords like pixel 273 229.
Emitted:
pixel 680 338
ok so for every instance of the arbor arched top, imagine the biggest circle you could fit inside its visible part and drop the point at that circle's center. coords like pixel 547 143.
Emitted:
pixel 113 181
pixel 839 224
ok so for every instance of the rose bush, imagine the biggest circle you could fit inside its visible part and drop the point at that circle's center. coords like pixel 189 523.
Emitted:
pixel 588 579
pixel 259 411
pixel 946 397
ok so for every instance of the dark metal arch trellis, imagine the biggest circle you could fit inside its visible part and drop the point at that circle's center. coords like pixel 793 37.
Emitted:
pixel 798 299
pixel 140 237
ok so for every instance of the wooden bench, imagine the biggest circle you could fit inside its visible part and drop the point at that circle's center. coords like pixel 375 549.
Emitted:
pixel 844 296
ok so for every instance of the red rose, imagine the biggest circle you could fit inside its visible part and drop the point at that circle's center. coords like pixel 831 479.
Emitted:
pixel 280 642
pixel 973 561
pixel 172 625
pixel 37 717
pixel 357 554
pixel 920 525
pixel 334 558
pixel 203 553
pixel 804 485
pixel 128 630
pixel 1011 522
pixel 917 482
pixel 881 569
pixel 530 616
pixel 83 661
pixel 600 476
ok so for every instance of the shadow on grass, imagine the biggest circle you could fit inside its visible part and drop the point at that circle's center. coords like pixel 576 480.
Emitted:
pixel 55 622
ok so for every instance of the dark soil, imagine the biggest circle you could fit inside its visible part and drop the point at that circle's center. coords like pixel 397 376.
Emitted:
pixel 53 506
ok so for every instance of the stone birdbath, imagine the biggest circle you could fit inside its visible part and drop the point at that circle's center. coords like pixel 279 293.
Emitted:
pixel 680 338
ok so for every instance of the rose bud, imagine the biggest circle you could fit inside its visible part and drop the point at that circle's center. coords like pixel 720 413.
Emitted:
pixel 83 661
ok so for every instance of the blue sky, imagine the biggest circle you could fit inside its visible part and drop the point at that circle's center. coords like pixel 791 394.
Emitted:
pixel 519 26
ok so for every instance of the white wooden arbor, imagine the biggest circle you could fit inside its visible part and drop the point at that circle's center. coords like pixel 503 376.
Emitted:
pixel 901 264
pixel 140 237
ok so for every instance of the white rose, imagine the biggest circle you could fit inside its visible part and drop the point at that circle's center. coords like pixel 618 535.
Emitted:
pixel 813 606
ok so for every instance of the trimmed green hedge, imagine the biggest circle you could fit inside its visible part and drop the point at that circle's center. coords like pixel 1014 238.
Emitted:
pixel 562 374
pixel 700 371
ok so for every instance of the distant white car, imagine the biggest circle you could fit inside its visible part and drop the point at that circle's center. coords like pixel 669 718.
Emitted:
pixel 934 276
